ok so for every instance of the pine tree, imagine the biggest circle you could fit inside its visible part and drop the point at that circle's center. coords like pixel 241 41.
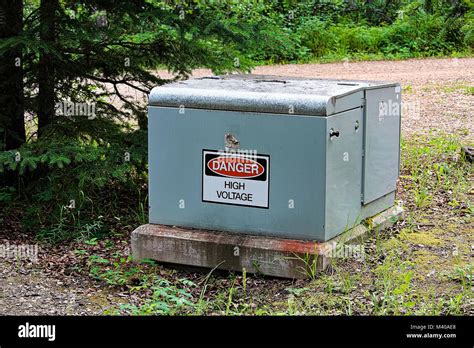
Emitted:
pixel 46 65
pixel 94 51
pixel 12 128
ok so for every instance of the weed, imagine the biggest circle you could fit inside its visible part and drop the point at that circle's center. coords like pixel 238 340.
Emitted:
pixel 463 275
pixel 116 272
pixel 455 304
pixel 469 90
pixel 229 299
pixel 167 299
pixel 92 241
pixel 310 264
pixel 142 215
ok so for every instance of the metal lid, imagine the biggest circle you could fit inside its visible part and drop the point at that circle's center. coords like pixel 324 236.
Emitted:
pixel 264 94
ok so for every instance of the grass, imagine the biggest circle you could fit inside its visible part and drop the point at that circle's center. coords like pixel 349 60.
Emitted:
pixel 360 57
pixel 422 266
pixel 458 87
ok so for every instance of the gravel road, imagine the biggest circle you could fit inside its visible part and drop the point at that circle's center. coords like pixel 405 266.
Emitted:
pixel 434 94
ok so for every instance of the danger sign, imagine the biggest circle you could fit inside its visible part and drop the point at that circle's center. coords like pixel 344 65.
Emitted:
pixel 237 179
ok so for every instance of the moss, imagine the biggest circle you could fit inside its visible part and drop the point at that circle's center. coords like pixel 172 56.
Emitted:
pixel 321 303
pixel 442 231
pixel 423 238
pixel 393 244
pixel 429 269
pixel 427 260
pixel 105 302
pixel 424 220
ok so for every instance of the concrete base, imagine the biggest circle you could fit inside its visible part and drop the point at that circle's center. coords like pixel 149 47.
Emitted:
pixel 270 256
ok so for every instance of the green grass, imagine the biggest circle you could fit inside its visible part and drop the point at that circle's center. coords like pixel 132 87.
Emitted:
pixel 362 57
pixel 405 270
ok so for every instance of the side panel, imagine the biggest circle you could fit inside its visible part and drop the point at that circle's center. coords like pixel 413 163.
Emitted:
pixel 348 102
pixel 382 142
pixel 344 172
pixel 296 149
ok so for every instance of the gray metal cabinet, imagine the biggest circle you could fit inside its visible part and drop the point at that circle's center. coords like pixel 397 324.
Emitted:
pixel 288 157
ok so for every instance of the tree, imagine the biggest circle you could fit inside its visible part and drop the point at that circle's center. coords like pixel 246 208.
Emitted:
pixel 12 127
pixel 46 67
pixel 91 52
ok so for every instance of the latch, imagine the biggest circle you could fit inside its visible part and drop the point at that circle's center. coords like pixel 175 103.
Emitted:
pixel 333 133
pixel 231 142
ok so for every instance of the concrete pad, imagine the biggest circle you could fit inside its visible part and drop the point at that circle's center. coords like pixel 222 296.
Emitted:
pixel 386 218
pixel 270 256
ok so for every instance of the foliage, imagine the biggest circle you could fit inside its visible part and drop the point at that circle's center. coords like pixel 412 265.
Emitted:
pixel 410 35
pixel 78 186
pixel 75 181
pixel 100 49
pixel 329 30
pixel 166 299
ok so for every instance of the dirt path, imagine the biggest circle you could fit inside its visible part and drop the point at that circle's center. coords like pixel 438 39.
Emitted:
pixel 26 290
pixel 49 285
pixel 437 96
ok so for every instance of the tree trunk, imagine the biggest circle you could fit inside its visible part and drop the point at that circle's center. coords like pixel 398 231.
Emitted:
pixel 12 108
pixel 46 80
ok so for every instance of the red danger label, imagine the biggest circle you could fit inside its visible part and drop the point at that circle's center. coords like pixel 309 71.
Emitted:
pixel 235 167
pixel 235 179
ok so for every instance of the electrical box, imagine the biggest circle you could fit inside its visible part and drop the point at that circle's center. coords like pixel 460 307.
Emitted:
pixel 288 157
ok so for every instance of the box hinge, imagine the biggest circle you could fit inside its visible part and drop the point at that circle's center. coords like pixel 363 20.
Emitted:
pixel 363 102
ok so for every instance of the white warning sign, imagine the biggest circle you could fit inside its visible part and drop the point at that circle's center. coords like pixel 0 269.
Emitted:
pixel 238 179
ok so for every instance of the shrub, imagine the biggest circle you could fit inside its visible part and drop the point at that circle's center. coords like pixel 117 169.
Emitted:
pixel 415 33
pixel 467 30
pixel 421 34
pixel 68 184
pixel 316 37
